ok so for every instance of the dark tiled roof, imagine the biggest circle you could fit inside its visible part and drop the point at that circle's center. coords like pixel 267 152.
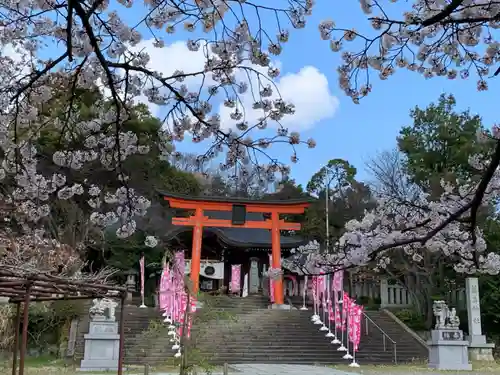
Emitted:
pixel 235 200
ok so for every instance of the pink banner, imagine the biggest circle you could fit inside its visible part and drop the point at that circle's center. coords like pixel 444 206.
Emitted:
pixel 178 293
pixel 315 288
pixel 338 281
pixel 180 266
pixel 141 266
pixel 346 303
pixel 192 310
pixel 190 322
pixel 235 278
pixel 338 317
pixel 331 315
pixel 271 283
pixel 321 288
pixel 355 326
pixel 181 311
pixel 164 288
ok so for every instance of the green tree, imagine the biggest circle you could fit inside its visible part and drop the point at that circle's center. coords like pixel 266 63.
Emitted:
pixel 489 286
pixel 337 174
pixel 439 142
pixel 438 146
pixel 348 199
pixel 147 174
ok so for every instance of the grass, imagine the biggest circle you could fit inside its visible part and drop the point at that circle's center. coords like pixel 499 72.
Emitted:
pixel 419 368
pixel 51 366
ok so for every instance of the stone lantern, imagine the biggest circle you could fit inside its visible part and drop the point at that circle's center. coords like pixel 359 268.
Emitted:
pixel 131 284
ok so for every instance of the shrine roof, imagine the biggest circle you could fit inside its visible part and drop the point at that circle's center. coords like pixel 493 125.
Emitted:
pixel 242 237
pixel 235 200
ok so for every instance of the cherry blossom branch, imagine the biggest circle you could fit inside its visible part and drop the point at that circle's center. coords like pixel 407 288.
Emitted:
pixel 446 12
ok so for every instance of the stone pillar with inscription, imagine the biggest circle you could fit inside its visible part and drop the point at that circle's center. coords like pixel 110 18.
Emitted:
pixel 479 349
pixel 384 293
pixel 254 276
pixel 447 347
pixel 102 343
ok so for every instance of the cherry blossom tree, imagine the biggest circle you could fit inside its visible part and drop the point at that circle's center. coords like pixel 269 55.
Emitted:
pixel 447 224
pixel 437 38
pixel 52 49
pixel 51 45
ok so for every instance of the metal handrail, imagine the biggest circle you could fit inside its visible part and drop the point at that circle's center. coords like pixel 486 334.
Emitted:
pixel 384 336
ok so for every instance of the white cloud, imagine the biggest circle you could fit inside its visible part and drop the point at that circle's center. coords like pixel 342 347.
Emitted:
pixel 21 66
pixel 307 89
pixel 175 56
pixel 167 60
pixel 8 50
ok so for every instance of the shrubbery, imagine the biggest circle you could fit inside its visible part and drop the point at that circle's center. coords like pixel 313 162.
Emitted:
pixel 368 302
pixel 48 325
pixel 413 319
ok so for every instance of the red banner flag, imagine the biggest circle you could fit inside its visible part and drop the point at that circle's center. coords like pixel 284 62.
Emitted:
pixel 338 281
pixel 355 326
pixel 315 288
pixel 141 266
pixel 346 303
pixel 331 315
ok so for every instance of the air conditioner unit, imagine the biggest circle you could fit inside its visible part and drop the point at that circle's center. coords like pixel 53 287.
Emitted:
pixel 212 270
pixel 209 270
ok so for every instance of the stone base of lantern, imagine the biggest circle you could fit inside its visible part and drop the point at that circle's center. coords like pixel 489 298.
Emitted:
pixel 479 349
pixel 101 347
pixel 448 351
pixel 275 306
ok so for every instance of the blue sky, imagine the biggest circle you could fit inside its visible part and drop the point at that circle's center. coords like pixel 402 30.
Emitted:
pixel 356 132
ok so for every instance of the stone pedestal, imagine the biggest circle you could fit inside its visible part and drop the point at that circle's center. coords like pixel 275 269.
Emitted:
pixel 276 306
pixel 479 349
pixel 384 293
pixel 254 279
pixel 448 350
pixel 102 345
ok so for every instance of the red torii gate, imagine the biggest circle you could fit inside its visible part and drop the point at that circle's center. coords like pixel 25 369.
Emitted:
pixel 239 207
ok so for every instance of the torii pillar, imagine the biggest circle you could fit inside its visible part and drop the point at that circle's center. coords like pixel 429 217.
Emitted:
pixel 198 221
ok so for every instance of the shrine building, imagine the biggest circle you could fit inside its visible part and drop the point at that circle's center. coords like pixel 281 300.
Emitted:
pixel 221 232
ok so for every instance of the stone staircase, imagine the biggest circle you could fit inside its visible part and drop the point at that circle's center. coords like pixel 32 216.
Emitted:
pixel 408 348
pixel 149 343
pixel 260 335
pixel 243 330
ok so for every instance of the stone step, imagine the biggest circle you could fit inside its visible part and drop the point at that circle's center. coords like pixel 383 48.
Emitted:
pixel 263 351
pixel 294 352
pixel 299 351
pixel 258 334
pixel 294 344
pixel 290 361
pixel 249 333
pixel 276 342
pixel 272 358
